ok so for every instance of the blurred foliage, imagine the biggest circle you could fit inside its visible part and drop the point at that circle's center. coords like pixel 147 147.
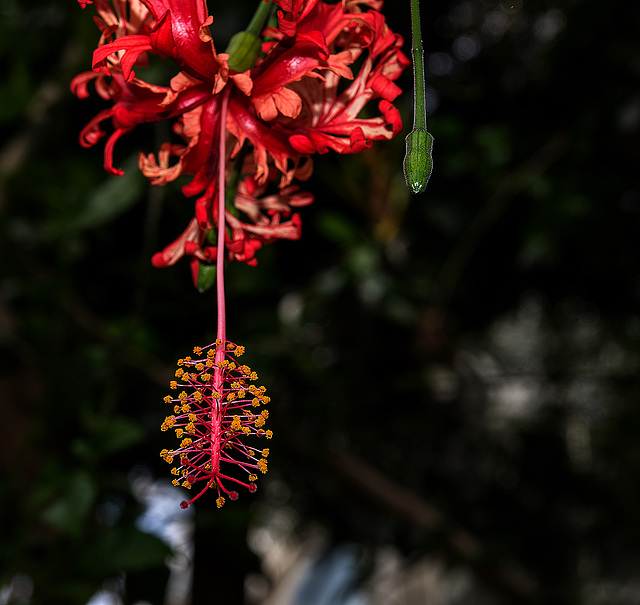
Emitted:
pixel 476 346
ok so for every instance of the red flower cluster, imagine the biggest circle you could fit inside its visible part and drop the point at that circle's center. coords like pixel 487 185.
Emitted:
pixel 299 97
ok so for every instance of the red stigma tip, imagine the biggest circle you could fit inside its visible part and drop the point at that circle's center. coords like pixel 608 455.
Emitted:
pixel 253 488
pixel 233 495
pixel 184 504
pixel 191 479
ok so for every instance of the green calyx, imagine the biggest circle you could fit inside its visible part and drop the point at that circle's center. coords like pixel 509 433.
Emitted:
pixel 243 50
pixel 418 162
pixel 244 47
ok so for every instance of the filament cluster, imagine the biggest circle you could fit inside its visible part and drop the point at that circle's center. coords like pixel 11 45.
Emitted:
pixel 217 412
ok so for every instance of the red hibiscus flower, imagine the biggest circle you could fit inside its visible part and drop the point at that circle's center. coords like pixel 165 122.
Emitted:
pixel 305 93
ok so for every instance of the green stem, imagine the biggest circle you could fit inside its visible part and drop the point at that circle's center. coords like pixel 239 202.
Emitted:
pixel 256 25
pixel 417 52
pixel 418 162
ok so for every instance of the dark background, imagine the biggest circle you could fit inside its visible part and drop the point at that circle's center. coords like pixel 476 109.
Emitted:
pixel 454 375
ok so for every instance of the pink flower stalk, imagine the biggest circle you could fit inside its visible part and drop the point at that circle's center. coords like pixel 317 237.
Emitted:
pixel 305 93
pixel 214 415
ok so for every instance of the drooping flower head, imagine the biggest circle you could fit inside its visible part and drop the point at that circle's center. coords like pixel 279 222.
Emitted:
pixel 219 416
pixel 306 92
pixel 247 125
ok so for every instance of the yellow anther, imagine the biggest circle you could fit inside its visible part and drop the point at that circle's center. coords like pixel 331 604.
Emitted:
pixel 235 425
pixel 187 359
pixel 177 409
pixel 186 484
pixel 239 350
pixel 253 376
pixel 241 394
pixel 199 367
pixel 190 428
pixel 180 362
pixel 185 408
pixel 220 502
pixel 179 372
pixel 197 350
pixel 246 370
pixel 216 395
pixel 256 402
pixel 253 477
pixel 186 442
pixel 231 365
pixel 206 377
pixel 246 430
pixel 265 452
pixel 209 363
pixel 269 434
pixel 193 417
pixel 265 413
pixel 198 396
pixel 173 384
pixel 174 471
pixel 218 342
pixel 259 421
pixel 266 399
pixel 262 465
pixel 211 353
pixel 168 399
pixel 183 395
pixel 179 433
pixel 176 482
pixel 231 396
pixel 230 346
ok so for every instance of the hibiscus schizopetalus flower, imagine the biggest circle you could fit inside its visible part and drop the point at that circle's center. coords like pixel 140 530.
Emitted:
pixel 216 413
pixel 306 91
